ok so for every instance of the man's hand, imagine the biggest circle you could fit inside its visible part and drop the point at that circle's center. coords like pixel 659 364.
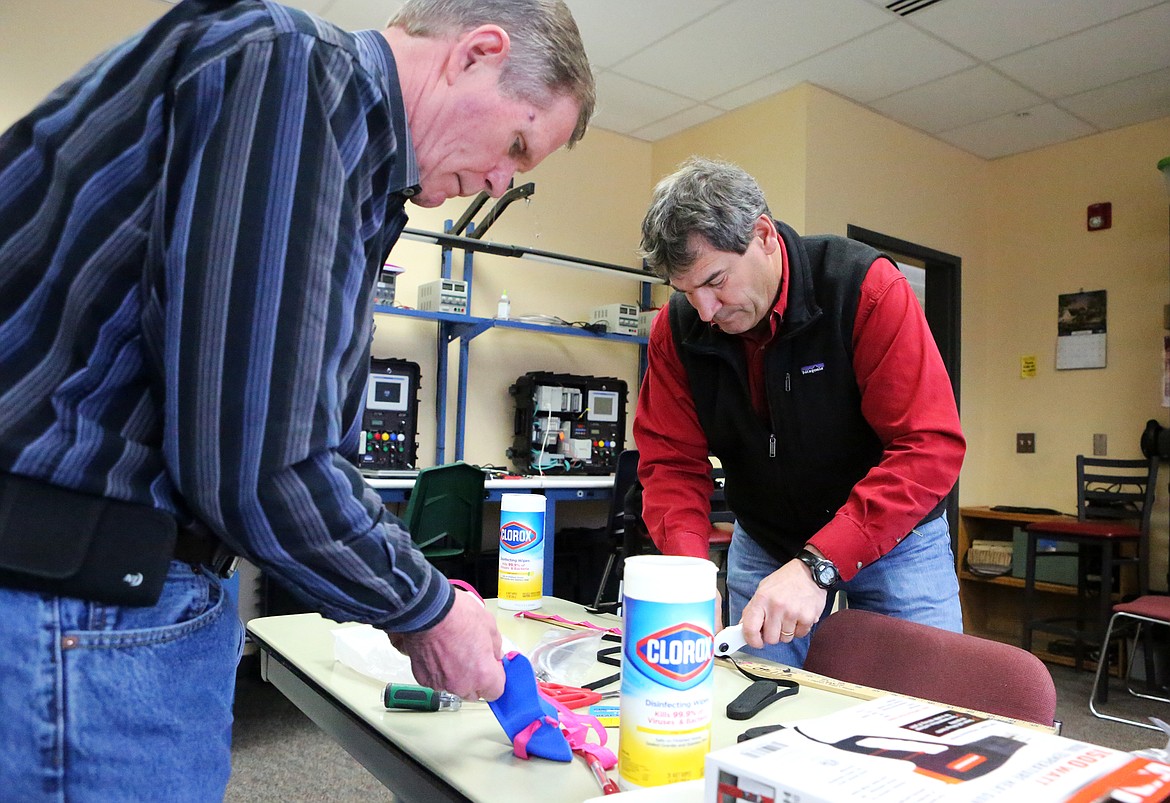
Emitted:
pixel 461 654
pixel 785 606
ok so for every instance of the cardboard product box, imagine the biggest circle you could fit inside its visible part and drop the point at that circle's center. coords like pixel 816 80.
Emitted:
pixel 1062 569
pixel 893 750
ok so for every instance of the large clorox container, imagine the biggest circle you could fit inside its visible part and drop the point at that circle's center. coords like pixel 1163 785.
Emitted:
pixel 668 612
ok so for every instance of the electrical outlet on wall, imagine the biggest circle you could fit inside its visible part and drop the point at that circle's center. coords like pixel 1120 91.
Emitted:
pixel 1100 444
pixel 1025 442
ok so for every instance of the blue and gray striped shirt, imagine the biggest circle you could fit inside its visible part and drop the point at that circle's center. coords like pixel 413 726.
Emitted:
pixel 189 232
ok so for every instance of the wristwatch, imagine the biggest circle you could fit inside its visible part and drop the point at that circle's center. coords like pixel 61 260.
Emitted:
pixel 824 571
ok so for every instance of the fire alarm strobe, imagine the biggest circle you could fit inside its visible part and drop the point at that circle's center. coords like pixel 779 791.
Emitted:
pixel 1100 216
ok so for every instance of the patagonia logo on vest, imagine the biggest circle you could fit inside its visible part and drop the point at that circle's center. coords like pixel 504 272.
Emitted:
pixel 678 656
pixel 816 367
pixel 517 537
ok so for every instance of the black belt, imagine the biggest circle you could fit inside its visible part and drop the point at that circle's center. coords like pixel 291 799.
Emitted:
pixel 200 549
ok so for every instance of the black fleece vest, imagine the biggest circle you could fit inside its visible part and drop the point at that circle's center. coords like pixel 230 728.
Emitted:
pixel 786 477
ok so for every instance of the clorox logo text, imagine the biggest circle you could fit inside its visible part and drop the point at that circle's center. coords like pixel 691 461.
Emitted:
pixel 679 654
pixel 516 537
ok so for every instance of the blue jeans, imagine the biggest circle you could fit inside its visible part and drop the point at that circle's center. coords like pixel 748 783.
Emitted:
pixel 109 703
pixel 915 580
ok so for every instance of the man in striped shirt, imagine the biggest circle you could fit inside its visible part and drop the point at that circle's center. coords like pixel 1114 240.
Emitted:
pixel 189 232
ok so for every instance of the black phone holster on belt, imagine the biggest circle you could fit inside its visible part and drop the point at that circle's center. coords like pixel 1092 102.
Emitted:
pixel 78 545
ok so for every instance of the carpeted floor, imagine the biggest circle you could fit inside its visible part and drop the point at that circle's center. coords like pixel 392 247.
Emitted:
pixel 279 754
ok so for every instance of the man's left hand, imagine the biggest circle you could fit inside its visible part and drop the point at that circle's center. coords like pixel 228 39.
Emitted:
pixel 785 606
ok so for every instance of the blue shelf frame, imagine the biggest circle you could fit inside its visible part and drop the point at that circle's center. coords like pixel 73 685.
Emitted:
pixel 465 328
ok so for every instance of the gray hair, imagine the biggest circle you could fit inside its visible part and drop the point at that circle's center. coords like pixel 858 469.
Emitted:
pixel 715 200
pixel 547 59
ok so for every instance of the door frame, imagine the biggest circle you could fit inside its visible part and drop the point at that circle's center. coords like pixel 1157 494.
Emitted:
pixel 944 297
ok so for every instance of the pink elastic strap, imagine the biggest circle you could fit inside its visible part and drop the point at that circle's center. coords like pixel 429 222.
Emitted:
pixel 560 620
pixel 576 728
pixel 463 585
pixel 520 743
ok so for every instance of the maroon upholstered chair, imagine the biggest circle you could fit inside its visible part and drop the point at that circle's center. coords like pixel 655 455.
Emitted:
pixel 1111 531
pixel 1141 616
pixel 939 665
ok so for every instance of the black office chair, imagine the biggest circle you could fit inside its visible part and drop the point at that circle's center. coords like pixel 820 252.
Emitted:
pixel 1114 501
pixel 629 536
pixel 444 516
pixel 625 476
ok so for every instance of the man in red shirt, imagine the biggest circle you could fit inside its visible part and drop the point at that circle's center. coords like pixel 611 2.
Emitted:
pixel 805 365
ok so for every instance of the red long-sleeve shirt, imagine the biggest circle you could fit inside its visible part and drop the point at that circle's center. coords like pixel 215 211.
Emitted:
pixel 906 397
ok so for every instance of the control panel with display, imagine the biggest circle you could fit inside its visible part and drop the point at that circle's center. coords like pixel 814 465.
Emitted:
pixel 390 421
pixel 567 424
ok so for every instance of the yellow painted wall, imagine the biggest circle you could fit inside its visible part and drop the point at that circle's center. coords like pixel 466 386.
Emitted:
pixel 1039 248
pixel 868 171
pixel 767 138
pixel 26 70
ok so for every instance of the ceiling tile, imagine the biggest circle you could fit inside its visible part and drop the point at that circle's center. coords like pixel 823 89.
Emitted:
pixel 615 29
pixel 761 88
pixel 1137 100
pixel 677 63
pixel 1015 133
pixel 625 106
pixel 956 100
pixel 746 40
pixel 677 122
pixel 881 63
pixel 989 29
pixel 1124 48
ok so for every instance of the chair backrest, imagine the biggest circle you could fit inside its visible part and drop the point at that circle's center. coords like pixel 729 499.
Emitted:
pixel 636 540
pixel 1111 488
pixel 634 537
pixel 921 661
pixel 625 477
pixel 446 508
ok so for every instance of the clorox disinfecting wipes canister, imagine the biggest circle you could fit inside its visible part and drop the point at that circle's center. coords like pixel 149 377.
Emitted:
pixel 668 613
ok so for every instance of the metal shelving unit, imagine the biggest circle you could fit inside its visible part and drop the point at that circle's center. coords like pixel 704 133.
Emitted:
pixel 465 328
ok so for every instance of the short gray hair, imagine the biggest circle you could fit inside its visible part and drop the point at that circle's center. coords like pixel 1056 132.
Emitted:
pixel 715 200
pixel 547 59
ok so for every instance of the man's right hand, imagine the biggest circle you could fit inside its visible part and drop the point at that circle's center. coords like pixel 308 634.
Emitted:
pixel 461 654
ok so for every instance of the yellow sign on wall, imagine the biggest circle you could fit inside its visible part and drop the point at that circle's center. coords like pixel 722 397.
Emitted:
pixel 1028 366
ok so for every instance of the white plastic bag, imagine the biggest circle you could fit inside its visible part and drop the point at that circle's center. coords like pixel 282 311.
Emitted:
pixel 368 650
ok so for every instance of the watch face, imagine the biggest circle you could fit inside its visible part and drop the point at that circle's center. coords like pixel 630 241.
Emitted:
pixel 824 573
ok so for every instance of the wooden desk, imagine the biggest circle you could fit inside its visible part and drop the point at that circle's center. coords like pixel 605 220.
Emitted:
pixel 992 606
pixel 465 756
pixel 557 489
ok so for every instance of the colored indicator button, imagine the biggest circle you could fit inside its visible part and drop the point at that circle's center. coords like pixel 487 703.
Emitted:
pixel 385 436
